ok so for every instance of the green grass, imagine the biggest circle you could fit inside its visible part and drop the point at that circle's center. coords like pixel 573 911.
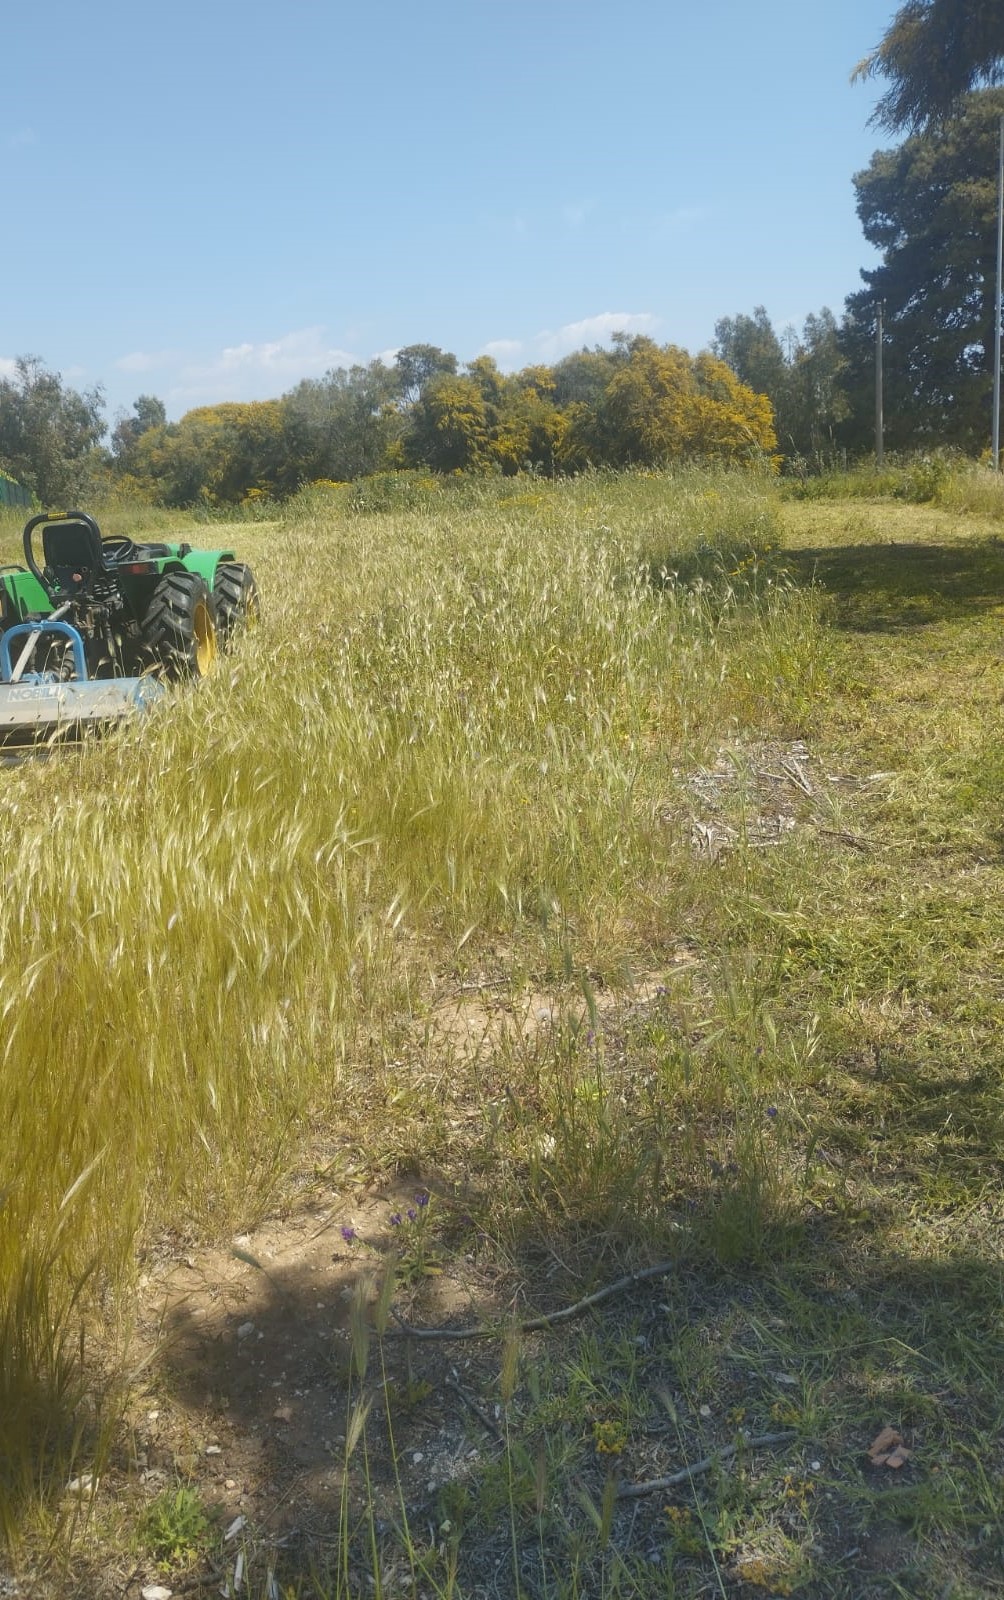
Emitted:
pixel 935 477
pixel 174 1527
pixel 484 754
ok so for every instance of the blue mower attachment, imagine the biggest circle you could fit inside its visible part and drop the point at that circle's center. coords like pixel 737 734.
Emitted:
pixel 40 707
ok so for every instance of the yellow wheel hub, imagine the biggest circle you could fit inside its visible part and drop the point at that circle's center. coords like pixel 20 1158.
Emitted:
pixel 205 639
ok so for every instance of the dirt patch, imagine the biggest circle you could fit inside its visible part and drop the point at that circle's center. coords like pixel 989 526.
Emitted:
pixel 245 1350
pixel 247 1391
pixel 478 1018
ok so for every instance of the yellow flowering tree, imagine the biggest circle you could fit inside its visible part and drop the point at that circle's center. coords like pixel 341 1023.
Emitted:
pixel 663 405
pixel 215 454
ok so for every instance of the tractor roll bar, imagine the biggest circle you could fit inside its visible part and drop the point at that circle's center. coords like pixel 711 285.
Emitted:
pixel 46 519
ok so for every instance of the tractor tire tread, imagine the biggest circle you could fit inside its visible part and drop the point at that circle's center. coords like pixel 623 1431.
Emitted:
pixel 167 624
pixel 236 595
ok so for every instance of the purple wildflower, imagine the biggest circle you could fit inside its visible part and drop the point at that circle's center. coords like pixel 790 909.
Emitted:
pixel 412 1213
pixel 395 1220
pixel 772 1112
pixel 421 1199
pixel 348 1234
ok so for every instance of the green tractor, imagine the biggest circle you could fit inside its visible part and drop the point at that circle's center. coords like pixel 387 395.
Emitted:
pixel 136 607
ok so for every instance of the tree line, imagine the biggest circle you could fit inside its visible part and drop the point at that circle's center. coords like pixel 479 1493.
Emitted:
pixel 635 403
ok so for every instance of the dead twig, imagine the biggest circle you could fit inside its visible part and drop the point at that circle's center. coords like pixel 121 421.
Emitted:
pixel 795 775
pixel 856 840
pixel 485 1418
pixel 634 1491
pixel 489 1330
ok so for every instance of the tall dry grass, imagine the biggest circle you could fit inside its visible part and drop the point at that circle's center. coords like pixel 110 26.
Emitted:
pixel 459 722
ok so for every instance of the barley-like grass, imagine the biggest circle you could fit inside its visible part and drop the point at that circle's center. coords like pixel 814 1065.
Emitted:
pixel 458 723
pixel 505 744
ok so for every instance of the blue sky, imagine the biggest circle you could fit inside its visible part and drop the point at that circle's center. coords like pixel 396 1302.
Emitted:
pixel 210 201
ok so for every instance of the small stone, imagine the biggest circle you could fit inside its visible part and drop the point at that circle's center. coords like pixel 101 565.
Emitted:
pixel 155 1591
pixel 152 1416
pixel 213 1450
pixel 245 1330
pixel 230 1483
pixel 705 1411
pixel 417 1458
pixel 816 1466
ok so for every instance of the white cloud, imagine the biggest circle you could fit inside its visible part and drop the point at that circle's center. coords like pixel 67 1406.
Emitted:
pixel 502 350
pixel 269 368
pixel 246 371
pixel 260 371
pixel 550 345
pixel 594 330
pixel 294 353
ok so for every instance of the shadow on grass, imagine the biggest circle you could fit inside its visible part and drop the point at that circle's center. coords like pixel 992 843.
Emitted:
pixel 895 587
pixel 850 1332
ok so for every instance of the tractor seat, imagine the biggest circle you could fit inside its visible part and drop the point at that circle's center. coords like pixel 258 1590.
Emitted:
pixel 72 555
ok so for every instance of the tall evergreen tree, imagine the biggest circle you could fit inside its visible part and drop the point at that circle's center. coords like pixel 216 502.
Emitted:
pixel 932 53
pixel 930 206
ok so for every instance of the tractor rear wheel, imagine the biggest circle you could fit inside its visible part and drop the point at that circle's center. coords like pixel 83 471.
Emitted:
pixel 236 596
pixel 179 628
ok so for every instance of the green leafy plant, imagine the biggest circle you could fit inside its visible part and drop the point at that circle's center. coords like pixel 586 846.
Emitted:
pixel 174 1527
